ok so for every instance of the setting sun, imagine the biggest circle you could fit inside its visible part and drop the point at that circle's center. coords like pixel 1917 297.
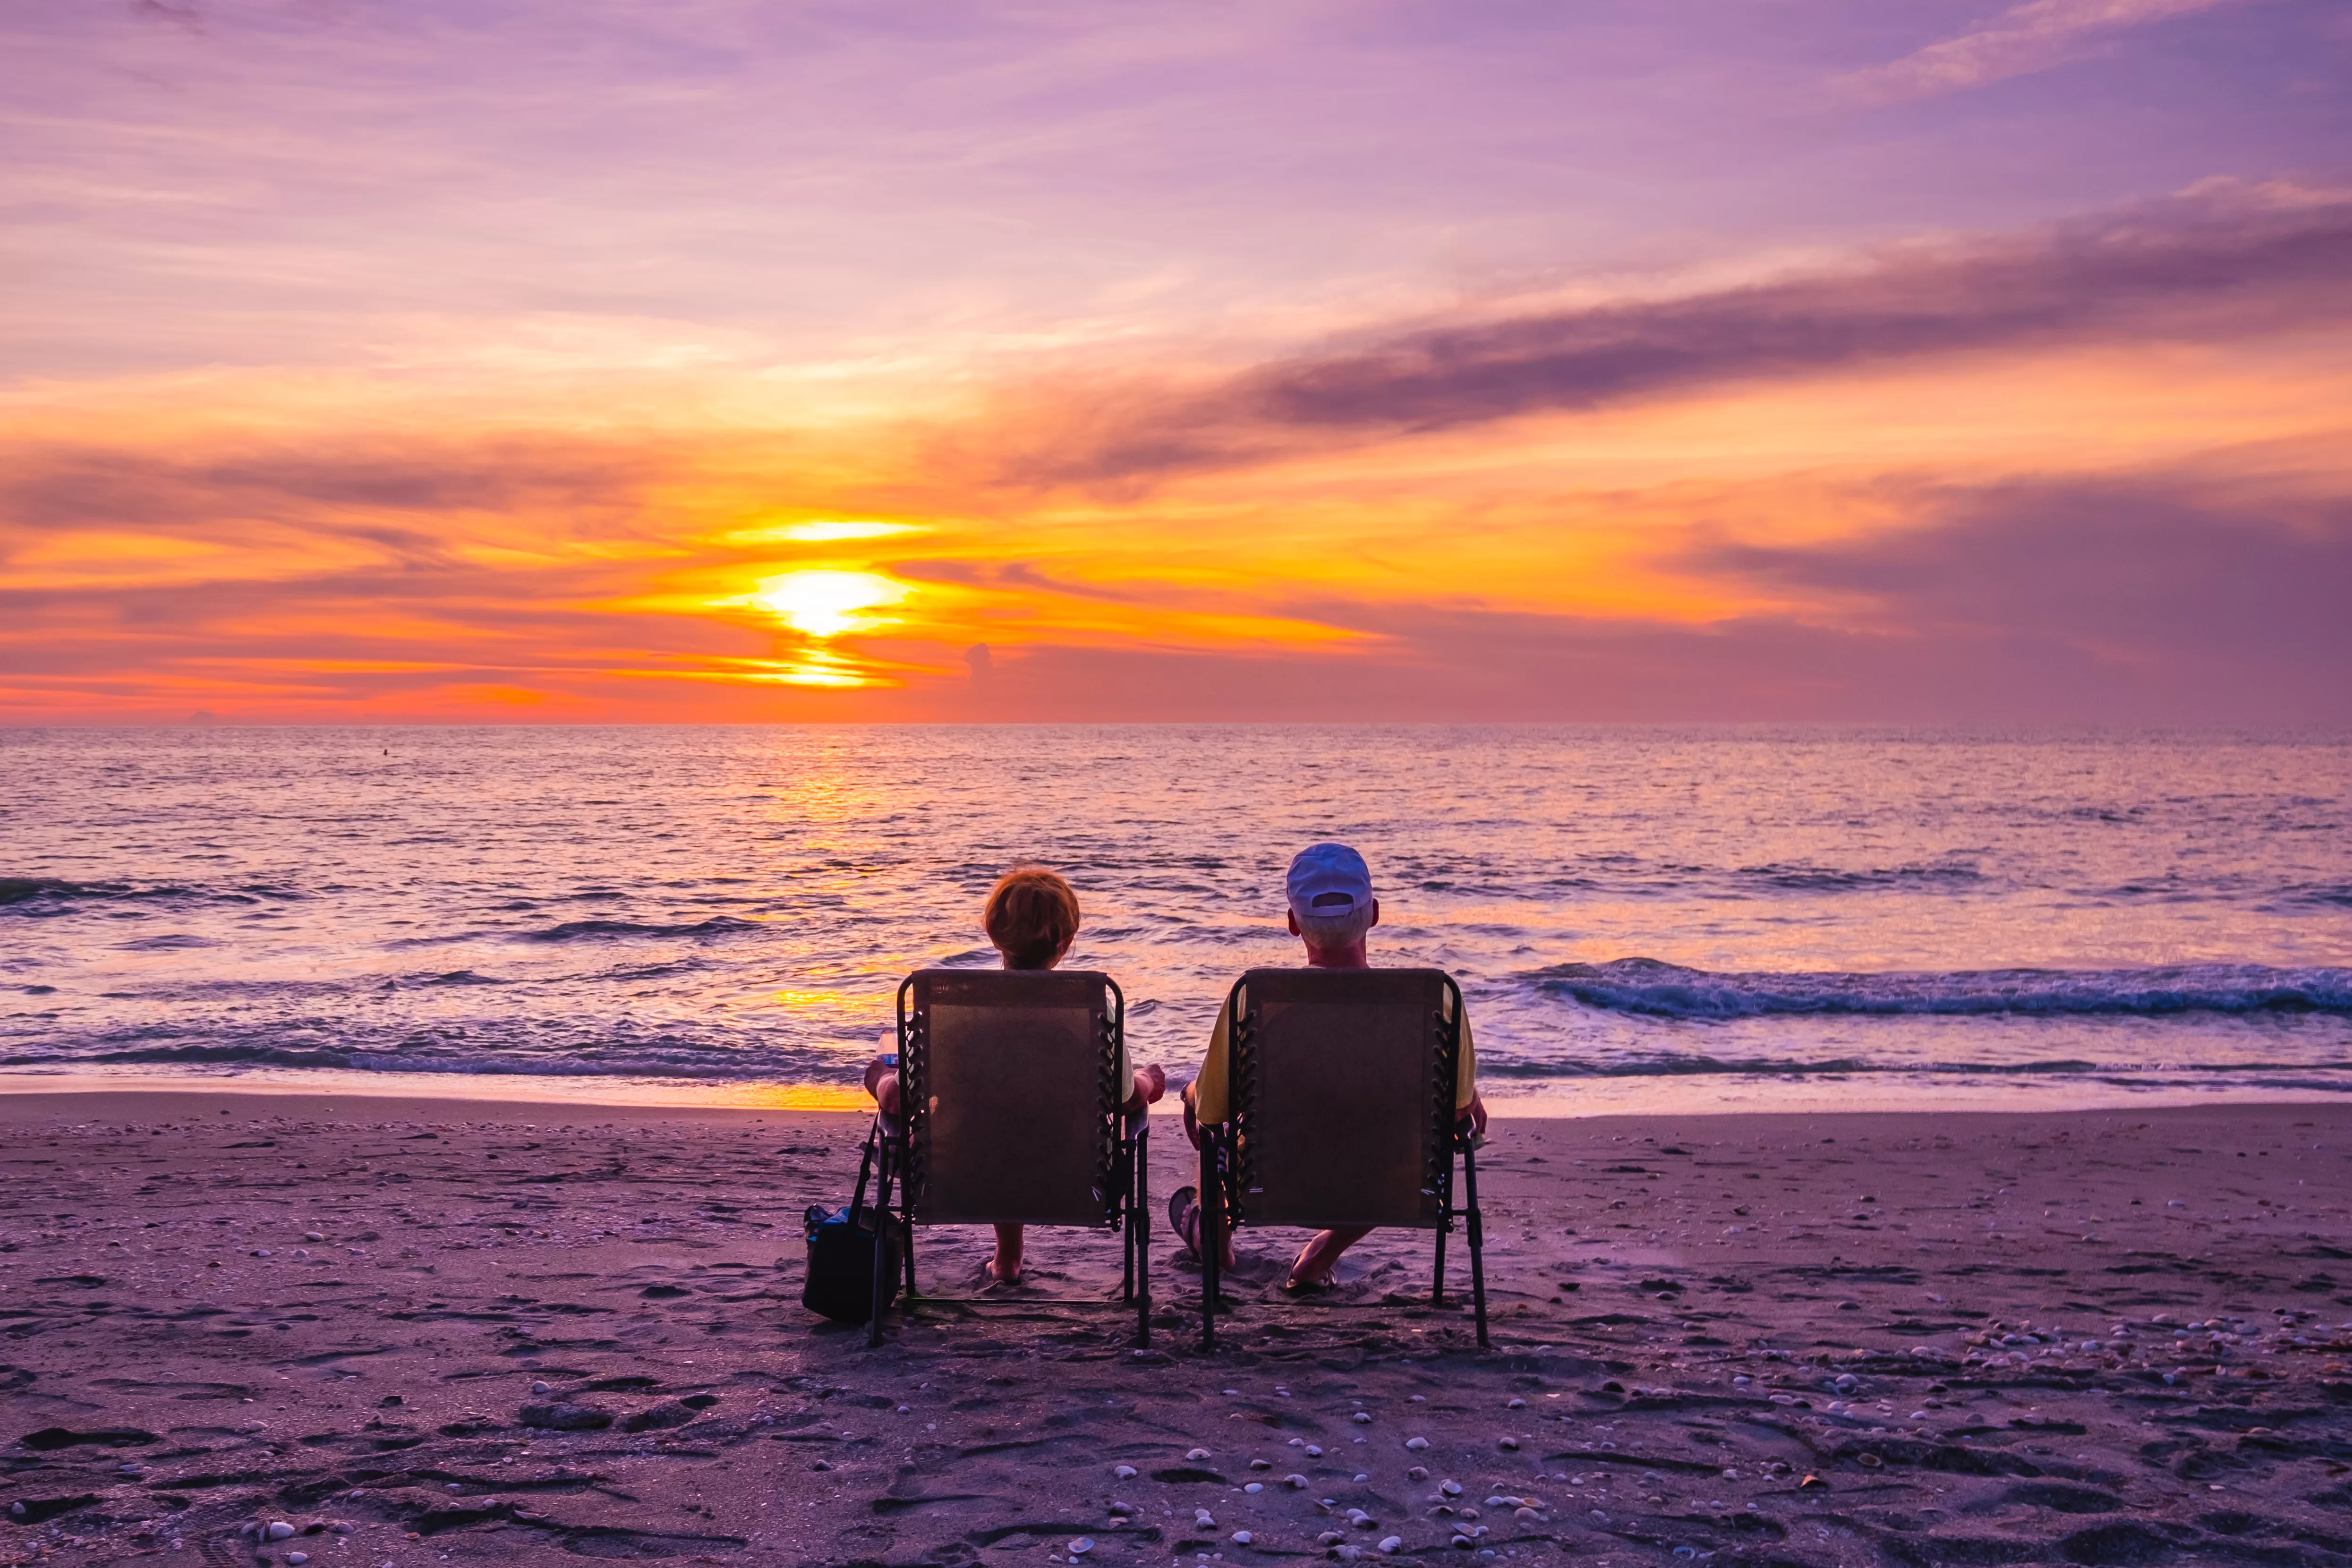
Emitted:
pixel 827 604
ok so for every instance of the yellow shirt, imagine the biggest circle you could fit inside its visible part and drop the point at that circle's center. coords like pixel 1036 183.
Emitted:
pixel 1209 1089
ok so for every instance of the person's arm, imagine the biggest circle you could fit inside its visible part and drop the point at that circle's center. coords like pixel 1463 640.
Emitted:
pixel 1151 1083
pixel 1204 1096
pixel 882 1083
pixel 1466 1101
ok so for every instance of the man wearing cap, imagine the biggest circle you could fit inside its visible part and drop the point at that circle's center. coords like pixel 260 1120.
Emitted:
pixel 1329 891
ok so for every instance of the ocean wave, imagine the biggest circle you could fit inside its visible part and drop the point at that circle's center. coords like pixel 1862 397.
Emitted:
pixel 1802 879
pixel 578 931
pixel 57 895
pixel 1647 986
pixel 673 1059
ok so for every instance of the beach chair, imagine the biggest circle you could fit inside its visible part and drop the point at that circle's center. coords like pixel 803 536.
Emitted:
pixel 1011 1114
pixel 1341 1088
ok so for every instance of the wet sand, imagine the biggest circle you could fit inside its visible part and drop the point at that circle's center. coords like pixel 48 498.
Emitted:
pixel 2085 1338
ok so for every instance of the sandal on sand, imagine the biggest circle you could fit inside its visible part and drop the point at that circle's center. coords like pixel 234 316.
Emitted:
pixel 1294 1286
pixel 1183 1205
pixel 991 1277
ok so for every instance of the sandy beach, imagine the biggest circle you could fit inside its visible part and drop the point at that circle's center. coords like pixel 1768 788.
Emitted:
pixel 418 1330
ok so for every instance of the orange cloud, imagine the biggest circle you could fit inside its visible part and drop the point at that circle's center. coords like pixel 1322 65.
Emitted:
pixel 1741 487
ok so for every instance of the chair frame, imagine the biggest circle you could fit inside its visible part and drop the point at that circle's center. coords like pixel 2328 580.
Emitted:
pixel 1225 1156
pixel 1122 1164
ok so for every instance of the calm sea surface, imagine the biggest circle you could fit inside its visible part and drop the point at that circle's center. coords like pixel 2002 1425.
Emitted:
pixel 1701 917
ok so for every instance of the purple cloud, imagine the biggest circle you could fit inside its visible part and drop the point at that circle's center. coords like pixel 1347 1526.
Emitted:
pixel 2209 266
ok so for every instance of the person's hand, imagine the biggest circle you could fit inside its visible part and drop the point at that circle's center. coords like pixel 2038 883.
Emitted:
pixel 1477 1117
pixel 875 1071
pixel 1155 1082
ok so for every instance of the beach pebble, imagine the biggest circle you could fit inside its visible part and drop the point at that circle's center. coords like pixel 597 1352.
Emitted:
pixel 1261 1464
pixel 1196 1453
pixel 1313 1452
pixel 1363 1478
pixel 1418 1473
pixel 822 1465
pixel 1123 1472
pixel 1082 1545
pixel 542 1388
pixel 314 1236
pixel 1295 1480
pixel 297 1558
pixel 1346 1553
pixel 1451 1488
pixel 1416 1444
pixel 1241 1536
pixel 1517 1404
pixel 1330 1538
pixel 1523 1511
pixel 1254 1487
pixel 277 1529
pixel 1392 1543
pixel 1203 1520
pixel 1463 1541
pixel 1511 1442
pixel 1364 1416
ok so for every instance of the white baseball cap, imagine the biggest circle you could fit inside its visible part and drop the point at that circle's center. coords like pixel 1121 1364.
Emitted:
pixel 1329 881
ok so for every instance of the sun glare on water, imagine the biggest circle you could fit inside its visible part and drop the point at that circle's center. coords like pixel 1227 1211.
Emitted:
pixel 823 604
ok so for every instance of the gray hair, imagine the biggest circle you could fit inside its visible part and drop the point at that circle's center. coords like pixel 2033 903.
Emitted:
pixel 1326 932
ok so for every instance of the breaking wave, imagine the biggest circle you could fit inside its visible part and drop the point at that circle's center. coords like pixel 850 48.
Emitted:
pixel 1644 985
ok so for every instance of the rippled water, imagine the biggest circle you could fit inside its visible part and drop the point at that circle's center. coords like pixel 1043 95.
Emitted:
pixel 1710 913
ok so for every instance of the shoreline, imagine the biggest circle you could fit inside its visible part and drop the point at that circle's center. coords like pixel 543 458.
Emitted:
pixel 1662 1095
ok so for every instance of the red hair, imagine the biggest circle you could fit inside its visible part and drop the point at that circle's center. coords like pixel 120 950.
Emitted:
pixel 1031 917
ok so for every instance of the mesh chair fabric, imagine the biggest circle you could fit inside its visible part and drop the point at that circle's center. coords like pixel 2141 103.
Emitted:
pixel 1015 1119
pixel 1343 1096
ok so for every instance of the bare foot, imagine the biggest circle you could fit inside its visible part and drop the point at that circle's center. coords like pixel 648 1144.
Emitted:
pixel 1309 1258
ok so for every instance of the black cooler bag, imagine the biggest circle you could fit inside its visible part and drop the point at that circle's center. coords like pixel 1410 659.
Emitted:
pixel 840 1281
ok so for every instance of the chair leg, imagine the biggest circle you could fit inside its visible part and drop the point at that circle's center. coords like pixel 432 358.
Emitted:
pixel 1213 1217
pixel 1126 1225
pixel 1438 1269
pixel 1444 1223
pixel 1140 1226
pixel 1477 1240
pixel 881 1249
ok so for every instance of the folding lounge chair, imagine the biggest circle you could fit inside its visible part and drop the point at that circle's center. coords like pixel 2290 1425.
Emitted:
pixel 1011 1113
pixel 1341 1088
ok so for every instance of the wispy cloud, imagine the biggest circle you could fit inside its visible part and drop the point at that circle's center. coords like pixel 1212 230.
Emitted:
pixel 2022 40
pixel 2225 261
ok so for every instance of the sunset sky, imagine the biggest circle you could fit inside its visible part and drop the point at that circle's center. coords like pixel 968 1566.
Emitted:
pixel 709 360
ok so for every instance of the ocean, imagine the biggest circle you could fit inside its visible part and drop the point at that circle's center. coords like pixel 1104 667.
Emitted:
pixel 1640 919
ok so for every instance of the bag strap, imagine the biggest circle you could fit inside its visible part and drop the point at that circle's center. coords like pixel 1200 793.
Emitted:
pixel 864 1165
